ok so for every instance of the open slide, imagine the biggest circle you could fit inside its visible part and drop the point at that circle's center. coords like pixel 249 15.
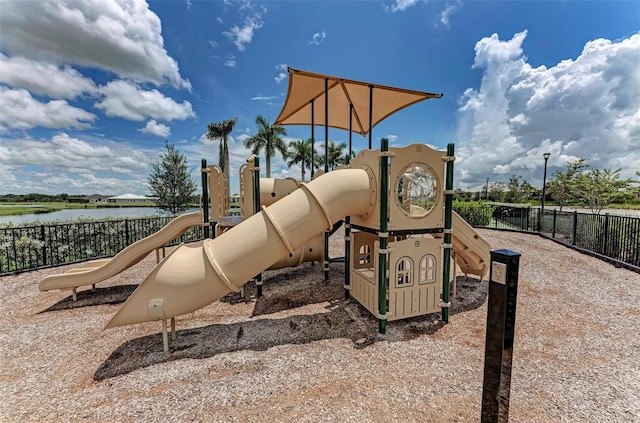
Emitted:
pixel 193 277
pixel 99 270
pixel 471 249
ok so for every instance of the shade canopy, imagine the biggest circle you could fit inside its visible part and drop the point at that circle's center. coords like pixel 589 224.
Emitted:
pixel 372 103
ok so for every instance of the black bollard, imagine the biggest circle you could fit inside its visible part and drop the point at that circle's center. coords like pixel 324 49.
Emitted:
pixel 501 319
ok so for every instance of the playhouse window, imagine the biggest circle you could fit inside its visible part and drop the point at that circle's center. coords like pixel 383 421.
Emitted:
pixel 404 272
pixel 365 255
pixel 427 269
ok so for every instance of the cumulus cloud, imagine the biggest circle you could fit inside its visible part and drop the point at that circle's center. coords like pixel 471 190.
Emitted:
pixel 230 62
pixel 64 163
pixel 318 38
pixel 21 111
pixel 44 79
pixel 120 36
pixel 583 107
pixel 126 100
pixel 154 128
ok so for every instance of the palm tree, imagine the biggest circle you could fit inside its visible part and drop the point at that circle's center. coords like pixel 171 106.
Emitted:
pixel 336 154
pixel 300 152
pixel 220 131
pixel 267 138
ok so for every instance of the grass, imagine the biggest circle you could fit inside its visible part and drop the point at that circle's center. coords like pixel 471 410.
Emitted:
pixel 17 209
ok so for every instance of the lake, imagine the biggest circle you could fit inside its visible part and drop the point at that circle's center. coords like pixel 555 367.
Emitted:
pixel 122 212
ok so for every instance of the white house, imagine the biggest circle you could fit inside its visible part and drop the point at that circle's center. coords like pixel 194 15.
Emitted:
pixel 130 199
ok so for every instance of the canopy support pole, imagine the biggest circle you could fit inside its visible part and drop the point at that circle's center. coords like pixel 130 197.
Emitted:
pixel 370 112
pixel 326 169
pixel 313 138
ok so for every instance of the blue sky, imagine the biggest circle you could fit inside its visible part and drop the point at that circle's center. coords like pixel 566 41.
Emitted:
pixel 89 91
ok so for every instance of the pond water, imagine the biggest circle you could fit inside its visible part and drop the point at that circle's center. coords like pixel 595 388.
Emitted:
pixel 122 212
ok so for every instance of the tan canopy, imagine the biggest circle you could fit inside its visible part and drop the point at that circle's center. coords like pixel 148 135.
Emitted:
pixel 307 86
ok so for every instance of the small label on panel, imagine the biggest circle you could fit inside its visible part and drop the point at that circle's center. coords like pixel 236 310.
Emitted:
pixel 499 272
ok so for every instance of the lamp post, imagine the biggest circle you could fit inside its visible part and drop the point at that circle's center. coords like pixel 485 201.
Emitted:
pixel 486 190
pixel 544 178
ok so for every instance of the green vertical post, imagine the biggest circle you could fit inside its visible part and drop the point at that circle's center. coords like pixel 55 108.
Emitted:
pixel 205 197
pixel 448 209
pixel 256 210
pixel 383 237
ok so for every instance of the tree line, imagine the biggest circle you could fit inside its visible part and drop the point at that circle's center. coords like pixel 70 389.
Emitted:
pixel 170 182
pixel 577 185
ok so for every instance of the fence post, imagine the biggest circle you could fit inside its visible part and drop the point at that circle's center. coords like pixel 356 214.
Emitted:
pixel 44 246
pixel 575 227
pixel 606 234
pixel 126 231
pixel 553 232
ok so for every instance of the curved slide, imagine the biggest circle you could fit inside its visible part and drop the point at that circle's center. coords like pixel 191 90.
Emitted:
pixel 471 249
pixel 99 270
pixel 193 277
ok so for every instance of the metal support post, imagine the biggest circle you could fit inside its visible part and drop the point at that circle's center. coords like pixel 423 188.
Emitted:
pixel 256 210
pixel 383 237
pixel 448 208
pixel 205 197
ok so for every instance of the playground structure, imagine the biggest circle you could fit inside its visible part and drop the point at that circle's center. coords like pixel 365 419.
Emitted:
pixel 396 204
pixel 397 243
pixel 393 253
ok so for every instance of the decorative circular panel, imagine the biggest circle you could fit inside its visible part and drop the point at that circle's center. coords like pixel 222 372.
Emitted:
pixel 417 190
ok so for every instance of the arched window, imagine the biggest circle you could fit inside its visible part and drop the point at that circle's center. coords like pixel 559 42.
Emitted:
pixel 427 269
pixel 404 272
pixel 365 254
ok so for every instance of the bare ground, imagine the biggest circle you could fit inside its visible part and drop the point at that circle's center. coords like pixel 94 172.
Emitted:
pixel 302 353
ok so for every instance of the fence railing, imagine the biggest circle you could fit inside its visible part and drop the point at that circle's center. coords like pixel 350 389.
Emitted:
pixel 33 247
pixel 613 237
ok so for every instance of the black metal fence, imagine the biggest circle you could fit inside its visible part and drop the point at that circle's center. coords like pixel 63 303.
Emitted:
pixel 616 238
pixel 33 247
pixel 611 237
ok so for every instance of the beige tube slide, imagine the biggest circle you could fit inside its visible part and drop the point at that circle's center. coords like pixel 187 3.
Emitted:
pixel 99 270
pixel 472 250
pixel 193 277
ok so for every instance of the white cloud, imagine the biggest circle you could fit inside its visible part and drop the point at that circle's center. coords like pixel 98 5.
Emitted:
pixel 243 35
pixel 126 100
pixel 283 68
pixel 583 107
pixel 213 43
pixel 401 5
pixel 230 62
pixel 263 98
pixel 318 38
pixel 121 36
pixel 447 11
pixel 44 79
pixel 67 164
pixel 21 111
pixel 154 128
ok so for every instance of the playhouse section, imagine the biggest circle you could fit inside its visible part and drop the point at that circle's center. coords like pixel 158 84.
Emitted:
pixel 398 241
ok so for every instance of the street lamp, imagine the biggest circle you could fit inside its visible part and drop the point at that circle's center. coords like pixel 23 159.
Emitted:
pixel 486 190
pixel 544 179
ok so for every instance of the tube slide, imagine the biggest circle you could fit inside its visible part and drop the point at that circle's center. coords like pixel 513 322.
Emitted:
pixel 193 277
pixel 99 270
pixel 472 251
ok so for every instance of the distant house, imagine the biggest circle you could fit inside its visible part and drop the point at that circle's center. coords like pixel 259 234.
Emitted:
pixel 130 199
pixel 235 198
pixel 97 198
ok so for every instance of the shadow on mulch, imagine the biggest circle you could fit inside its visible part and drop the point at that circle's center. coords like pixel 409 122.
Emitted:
pixel 344 319
pixel 93 297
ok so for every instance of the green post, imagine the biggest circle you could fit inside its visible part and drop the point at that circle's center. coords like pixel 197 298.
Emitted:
pixel 205 197
pixel 448 209
pixel 383 236
pixel 256 210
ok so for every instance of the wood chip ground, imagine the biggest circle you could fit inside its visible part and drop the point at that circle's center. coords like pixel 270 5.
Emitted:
pixel 301 353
